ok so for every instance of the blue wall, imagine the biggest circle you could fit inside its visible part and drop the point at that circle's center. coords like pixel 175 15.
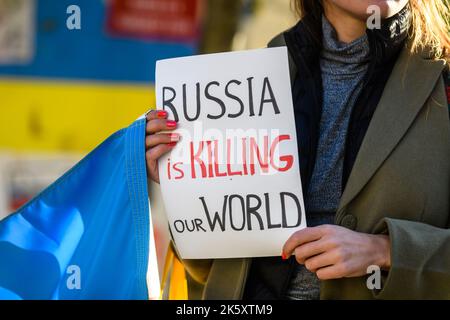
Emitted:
pixel 90 53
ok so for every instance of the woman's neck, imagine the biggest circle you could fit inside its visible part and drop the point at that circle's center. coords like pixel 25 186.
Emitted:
pixel 348 27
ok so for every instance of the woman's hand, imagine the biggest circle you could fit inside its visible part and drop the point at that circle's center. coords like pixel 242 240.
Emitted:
pixel 334 252
pixel 157 143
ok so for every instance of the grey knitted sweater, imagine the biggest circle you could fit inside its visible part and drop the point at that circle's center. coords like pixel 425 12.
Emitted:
pixel 343 69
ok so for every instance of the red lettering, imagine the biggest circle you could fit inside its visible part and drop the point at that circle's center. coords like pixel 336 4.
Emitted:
pixel 231 173
pixel 244 155
pixel 210 159
pixel 289 159
pixel 216 160
pixel 179 170
pixel 169 176
pixel 264 157
pixel 254 150
pixel 195 158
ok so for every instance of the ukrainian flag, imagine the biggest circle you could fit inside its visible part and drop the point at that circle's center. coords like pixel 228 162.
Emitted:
pixel 87 235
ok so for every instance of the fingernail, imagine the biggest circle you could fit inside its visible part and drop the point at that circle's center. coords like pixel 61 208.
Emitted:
pixel 174 137
pixel 283 256
pixel 161 114
pixel 171 124
pixel 172 144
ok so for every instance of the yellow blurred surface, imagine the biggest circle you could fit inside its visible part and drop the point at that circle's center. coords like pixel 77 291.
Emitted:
pixel 66 116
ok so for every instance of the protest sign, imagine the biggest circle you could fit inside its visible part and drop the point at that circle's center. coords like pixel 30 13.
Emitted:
pixel 231 187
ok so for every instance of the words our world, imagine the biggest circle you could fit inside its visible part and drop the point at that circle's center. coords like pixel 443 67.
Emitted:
pixel 255 98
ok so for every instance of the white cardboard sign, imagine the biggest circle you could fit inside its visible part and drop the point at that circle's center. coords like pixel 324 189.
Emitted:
pixel 231 187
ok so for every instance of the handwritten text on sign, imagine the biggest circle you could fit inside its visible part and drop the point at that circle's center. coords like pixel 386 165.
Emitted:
pixel 232 186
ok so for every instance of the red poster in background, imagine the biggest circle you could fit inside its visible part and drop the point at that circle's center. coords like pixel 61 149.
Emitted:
pixel 155 19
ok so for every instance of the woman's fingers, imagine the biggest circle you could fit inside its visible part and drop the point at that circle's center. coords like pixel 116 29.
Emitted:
pixel 157 125
pixel 299 238
pixel 161 138
pixel 336 271
pixel 157 121
pixel 153 154
pixel 156 114
pixel 157 144
pixel 308 250
pixel 319 261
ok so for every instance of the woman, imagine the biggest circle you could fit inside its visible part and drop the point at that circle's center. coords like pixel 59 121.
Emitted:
pixel 374 158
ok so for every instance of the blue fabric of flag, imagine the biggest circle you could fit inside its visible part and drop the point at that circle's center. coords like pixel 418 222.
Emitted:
pixel 87 235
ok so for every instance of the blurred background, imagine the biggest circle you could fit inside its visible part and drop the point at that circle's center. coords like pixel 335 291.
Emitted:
pixel 74 71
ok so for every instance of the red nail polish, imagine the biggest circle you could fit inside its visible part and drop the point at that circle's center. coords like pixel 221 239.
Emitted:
pixel 171 124
pixel 172 144
pixel 161 114
pixel 174 137
pixel 283 256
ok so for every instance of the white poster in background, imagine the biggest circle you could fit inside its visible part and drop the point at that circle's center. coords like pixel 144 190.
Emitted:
pixel 17 31
pixel 231 186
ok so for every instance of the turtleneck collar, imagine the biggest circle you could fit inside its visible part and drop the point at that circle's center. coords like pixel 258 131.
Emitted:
pixel 344 58
pixel 306 38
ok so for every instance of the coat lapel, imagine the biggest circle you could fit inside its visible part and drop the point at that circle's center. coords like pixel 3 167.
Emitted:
pixel 411 83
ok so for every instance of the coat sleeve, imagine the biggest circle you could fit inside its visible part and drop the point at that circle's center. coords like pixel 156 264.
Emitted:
pixel 420 256
pixel 420 262
pixel 198 270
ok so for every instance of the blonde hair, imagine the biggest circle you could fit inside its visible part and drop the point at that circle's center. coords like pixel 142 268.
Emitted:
pixel 430 27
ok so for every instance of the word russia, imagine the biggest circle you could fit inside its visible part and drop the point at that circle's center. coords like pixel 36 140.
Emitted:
pixel 209 92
